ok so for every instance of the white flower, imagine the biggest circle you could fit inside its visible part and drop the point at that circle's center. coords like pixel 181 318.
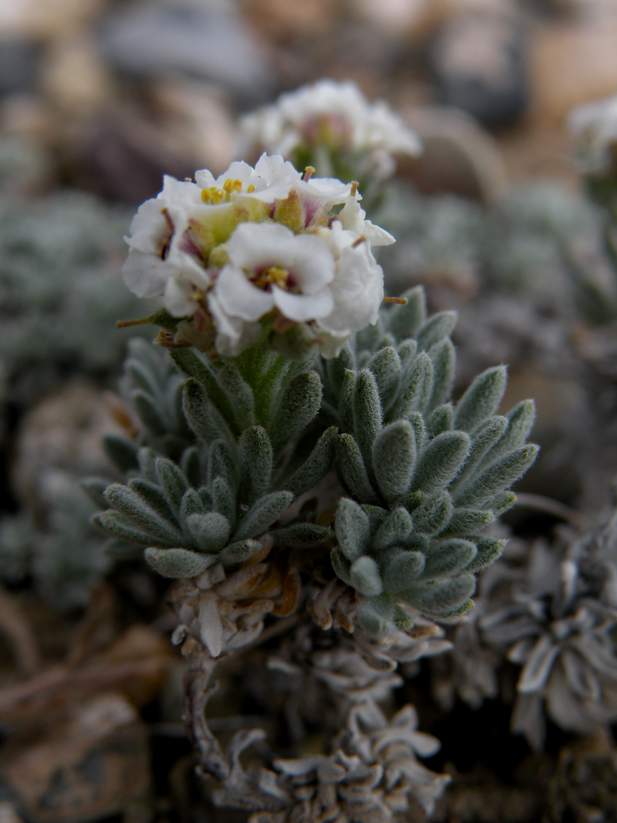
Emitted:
pixel 160 264
pixel 271 179
pixel 330 114
pixel 353 217
pixel 259 242
pixel 270 267
pixel 357 289
pixel 594 126
pixel 325 279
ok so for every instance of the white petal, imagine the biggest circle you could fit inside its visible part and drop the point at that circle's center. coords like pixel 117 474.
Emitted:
pixel 179 192
pixel 303 307
pixel 358 292
pixel 331 345
pixel 239 297
pixel 311 262
pixel 258 244
pixel 148 228
pixel 177 299
pixel 229 329
pixel 205 179
pixel 238 170
pixel 145 274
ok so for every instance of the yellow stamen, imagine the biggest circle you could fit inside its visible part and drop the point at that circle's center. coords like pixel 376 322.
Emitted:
pixel 250 188
pixel 358 241
pixel 354 187
pixel 231 186
pixel 400 301
pixel 213 195
pixel 309 171
pixel 274 275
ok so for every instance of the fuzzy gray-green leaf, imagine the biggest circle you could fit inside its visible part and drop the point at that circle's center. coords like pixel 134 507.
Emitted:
pixel 416 388
pixel 316 465
pixel 441 461
pixel 468 521
pixel 177 563
pixel 401 568
pixel 498 476
pixel 365 576
pixel 301 536
pixel 351 469
pixel 395 529
pixel 484 438
pixel 441 597
pixel 239 552
pixel 341 565
pixel 489 550
pixel 437 327
pixel 239 395
pixel 352 528
pixel 375 616
pixel 443 358
pixel 482 398
pixel 433 514
pixel 122 527
pixel 449 557
pixel 203 417
pixel 441 419
pixel 256 460
pixel 223 499
pixel 141 514
pixel 394 457
pixel 386 368
pixel 209 531
pixel 520 422
pixel 121 451
pixel 367 413
pixel 262 514
pixel 405 320
pixel 172 480
pixel 299 405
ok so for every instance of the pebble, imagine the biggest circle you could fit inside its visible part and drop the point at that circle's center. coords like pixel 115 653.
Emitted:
pixel 189 38
pixel 480 65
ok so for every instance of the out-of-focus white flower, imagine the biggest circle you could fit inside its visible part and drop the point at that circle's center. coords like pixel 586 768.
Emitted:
pixel 594 127
pixel 259 245
pixel 332 115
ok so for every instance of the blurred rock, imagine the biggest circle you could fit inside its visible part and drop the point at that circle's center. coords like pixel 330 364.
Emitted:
pixel 61 434
pixel 399 17
pixel 8 813
pixel 74 76
pixel 45 20
pixel 458 157
pixel 584 786
pixel 93 764
pixel 19 65
pixel 196 123
pixel 480 66
pixel 284 19
pixel 192 38
pixel 571 63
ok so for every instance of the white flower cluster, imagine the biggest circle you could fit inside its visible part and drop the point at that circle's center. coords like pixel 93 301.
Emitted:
pixel 594 127
pixel 330 115
pixel 255 248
